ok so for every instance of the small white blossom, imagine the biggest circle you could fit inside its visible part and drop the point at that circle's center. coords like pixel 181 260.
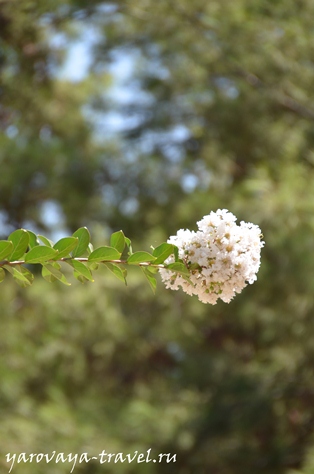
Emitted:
pixel 222 257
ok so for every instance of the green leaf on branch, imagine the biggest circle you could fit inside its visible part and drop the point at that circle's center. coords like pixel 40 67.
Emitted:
pixel 6 248
pixel 119 272
pixel 176 253
pixel 19 239
pixel 2 275
pixel 83 236
pixel 45 241
pixel 162 252
pixel 129 245
pixel 21 275
pixel 48 276
pixel 93 265
pixel 33 241
pixel 81 269
pixel 40 254
pixel 151 280
pixel 65 246
pixel 178 267
pixel 140 257
pixel 117 241
pixel 104 253
pixel 51 274
pixel 152 269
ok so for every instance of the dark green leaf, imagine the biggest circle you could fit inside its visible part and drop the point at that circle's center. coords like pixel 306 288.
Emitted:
pixel 19 239
pixel 40 254
pixel 6 248
pixel 83 236
pixel 140 257
pixel 117 241
pixel 104 253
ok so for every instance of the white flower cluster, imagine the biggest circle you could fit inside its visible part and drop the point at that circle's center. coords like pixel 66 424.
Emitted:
pixel 221 257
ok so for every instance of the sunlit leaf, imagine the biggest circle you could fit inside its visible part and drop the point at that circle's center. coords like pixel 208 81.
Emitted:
pixel 40 254
pixel 33 241
pixel 178 267
pixel 117 241
pixel 6 248
pixel 162 252
pixel 83 237
pixel 140 257
pixel 45 241
pixel 19 239
pixel 65 246
pixel 129 245
pixel 104 253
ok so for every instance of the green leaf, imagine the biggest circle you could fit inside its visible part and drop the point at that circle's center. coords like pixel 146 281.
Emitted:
pixel 117 241
pixel 33 241
pixel 56 265
pixel 40 254
pixel 178 267
pixel 19 239
pixel 79 277
pixel 45 241
pixel 152 269
pixel 104 253
pixel 93 265
pixel 6 248
pixel 56 274
pixel 195 266
pixel 27 274
pixel 151 280
pixel 81 269
pixel 119 272
pixel 140 257
pixel 21 275
pixel 2 275
pixel 83 236
pixel 162 252
pixel 176 253
pixel 129 245
pixel 65 246
pixel 48 276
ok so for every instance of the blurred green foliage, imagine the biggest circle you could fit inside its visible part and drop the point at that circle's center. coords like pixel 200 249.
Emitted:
pixel 219 114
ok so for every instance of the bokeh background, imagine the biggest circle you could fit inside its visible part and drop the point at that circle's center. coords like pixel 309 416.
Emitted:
pixel 144 116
